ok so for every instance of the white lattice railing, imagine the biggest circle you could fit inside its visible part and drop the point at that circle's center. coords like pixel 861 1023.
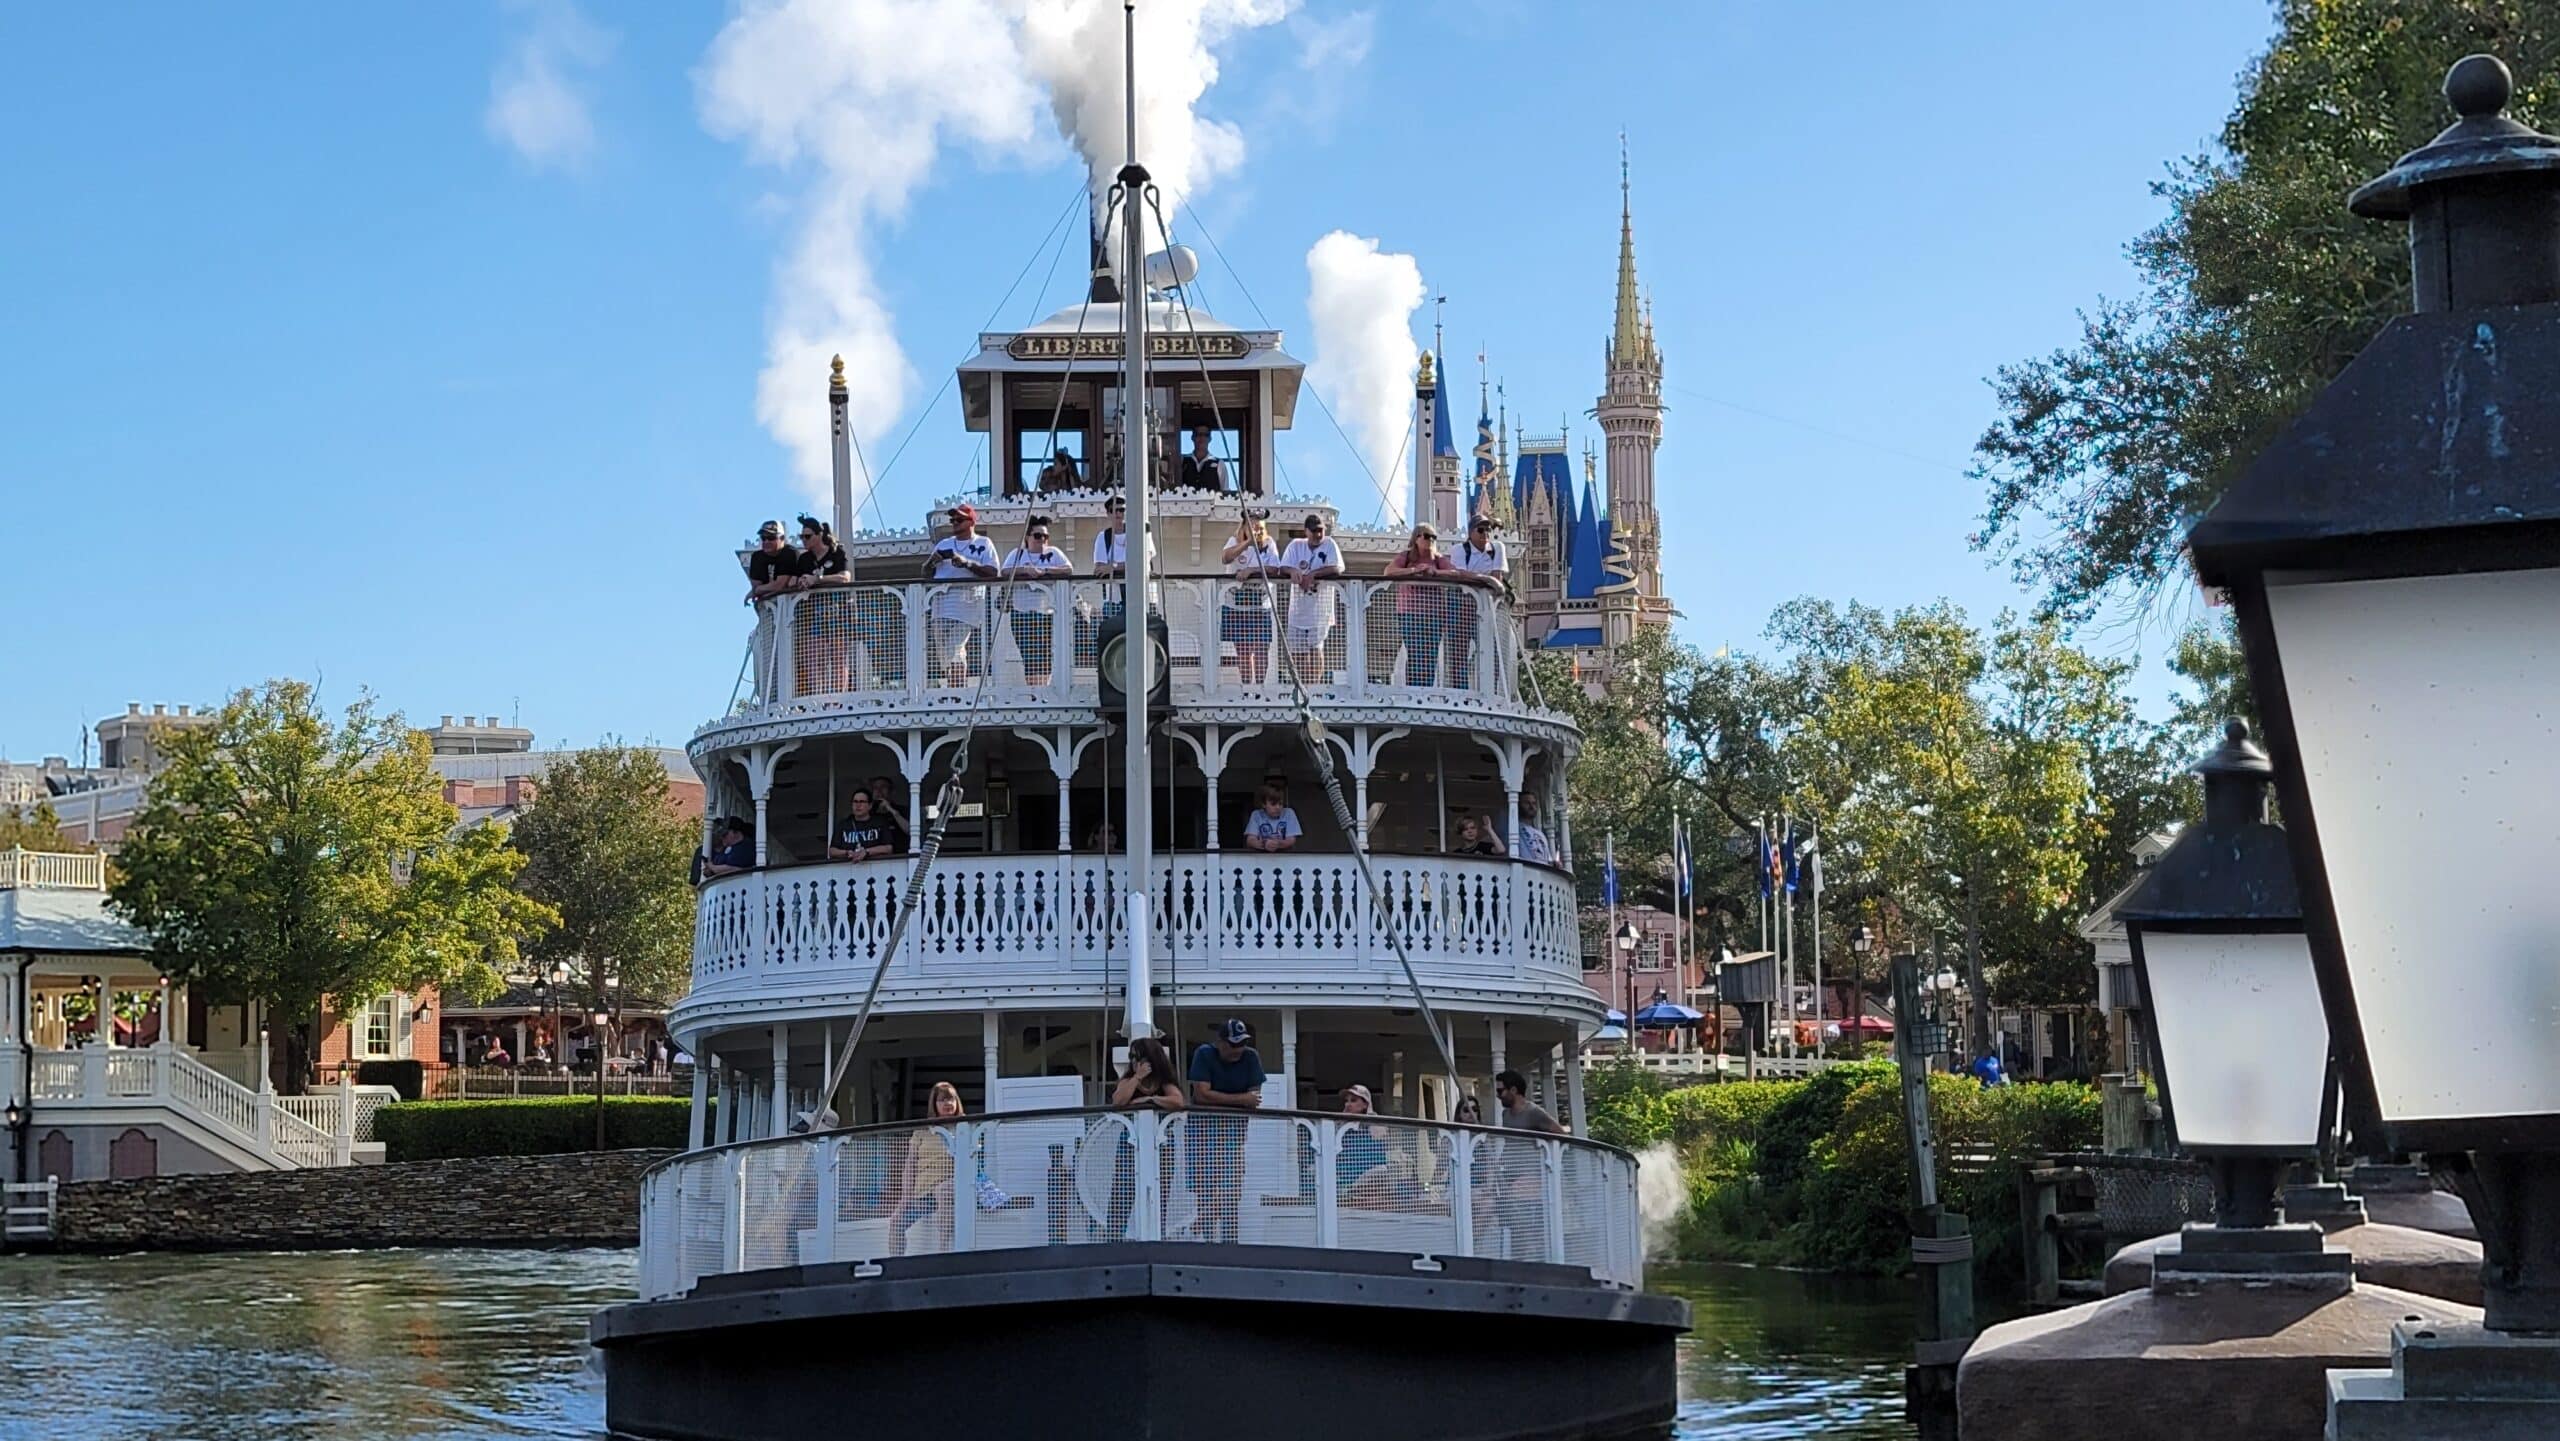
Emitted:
pixel 1285 917
pixel 56 870
pixel 1363 641
pixel 1080 1177
pixel 333 1109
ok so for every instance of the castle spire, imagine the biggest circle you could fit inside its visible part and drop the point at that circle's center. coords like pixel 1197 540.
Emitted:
pixel 1626 347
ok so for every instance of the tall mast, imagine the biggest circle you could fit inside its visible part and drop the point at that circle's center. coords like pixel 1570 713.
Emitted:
pixel 1137 475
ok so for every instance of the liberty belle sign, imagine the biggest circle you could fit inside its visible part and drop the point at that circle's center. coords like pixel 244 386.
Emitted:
pixel 1214 345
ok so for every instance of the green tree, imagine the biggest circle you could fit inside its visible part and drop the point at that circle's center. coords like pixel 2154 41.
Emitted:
pixel 39 829
pixel 606 849
pixel 2256 290
pixel 1962 771
pixel 283 858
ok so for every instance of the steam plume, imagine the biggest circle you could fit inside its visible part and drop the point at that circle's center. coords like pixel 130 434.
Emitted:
pixel 1360 301
pixel 862 95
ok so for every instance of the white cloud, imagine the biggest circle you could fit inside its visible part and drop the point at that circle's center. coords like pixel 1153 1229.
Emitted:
pixel 538 103
pixel 860 96
pixel 1360 301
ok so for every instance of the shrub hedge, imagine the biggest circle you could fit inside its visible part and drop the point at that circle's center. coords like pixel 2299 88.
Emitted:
pixel 527 1126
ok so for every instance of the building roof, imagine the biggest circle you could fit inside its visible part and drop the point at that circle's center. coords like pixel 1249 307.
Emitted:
pixel 1442 441
pixel 1587 568
pixel 65 921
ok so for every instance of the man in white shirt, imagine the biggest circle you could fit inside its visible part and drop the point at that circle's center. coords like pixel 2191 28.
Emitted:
pixel 1311 559
pixel 1483 563
pixel 1533 843
pixel 1029 569
pixel 962 555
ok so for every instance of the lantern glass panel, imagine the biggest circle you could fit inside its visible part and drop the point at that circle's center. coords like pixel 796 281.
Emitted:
pixel 2241 1036
pixel 2426 712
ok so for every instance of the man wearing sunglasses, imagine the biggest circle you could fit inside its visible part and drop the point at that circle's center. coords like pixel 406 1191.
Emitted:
pixel 1480 561
pixel 1311 558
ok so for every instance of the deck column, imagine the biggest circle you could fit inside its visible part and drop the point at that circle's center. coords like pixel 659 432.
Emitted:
pixel 1573 1088
pixel 696 1129
pixel 1289 1052
pixel 781 1080
pixel 990 1032
pixel 1501 1032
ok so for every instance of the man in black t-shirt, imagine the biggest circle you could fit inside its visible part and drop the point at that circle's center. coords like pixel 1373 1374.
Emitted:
pixel 1200 470
pixel 868 833
pixel 772 563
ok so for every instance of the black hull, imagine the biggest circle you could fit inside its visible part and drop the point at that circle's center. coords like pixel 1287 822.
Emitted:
pixel 1136 1341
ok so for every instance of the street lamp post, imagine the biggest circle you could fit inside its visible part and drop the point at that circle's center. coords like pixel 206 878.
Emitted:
pixel 2394 562
pixel 1626 938
pixel 1861 941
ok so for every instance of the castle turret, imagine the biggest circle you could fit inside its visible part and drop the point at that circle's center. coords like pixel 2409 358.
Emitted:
pixel 1630 415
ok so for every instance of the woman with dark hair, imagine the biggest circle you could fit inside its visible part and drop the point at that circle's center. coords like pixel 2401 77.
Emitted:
pixel 1033 616
pixel 1150 1084
pixel 824 637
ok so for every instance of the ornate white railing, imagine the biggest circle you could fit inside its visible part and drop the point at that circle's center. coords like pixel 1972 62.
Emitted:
pixel 321 1129
pixel 54 870
pixel 1068 1178
pixel 1239 915
pixel 907 643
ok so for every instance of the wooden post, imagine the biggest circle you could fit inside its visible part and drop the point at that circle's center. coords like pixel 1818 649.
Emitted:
pixel 2037 1207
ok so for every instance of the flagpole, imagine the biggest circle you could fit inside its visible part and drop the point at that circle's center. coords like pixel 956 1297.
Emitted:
pixel 1821 1044
pixel 1609 942
pixel 1786 899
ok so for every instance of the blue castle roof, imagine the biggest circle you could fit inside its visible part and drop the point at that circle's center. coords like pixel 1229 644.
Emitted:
pixel 1442 442
pixel 1586 570
pixel 1584 544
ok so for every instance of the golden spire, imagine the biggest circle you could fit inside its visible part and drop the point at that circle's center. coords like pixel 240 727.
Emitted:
pixel 1627 345
pixel 835 381
pixel 1426 381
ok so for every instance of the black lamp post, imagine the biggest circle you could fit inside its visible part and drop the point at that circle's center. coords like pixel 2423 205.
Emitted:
pixel 2228 993
pixel 2394 560
pixel 1861 941
pixel 1626 939
pixel 16 1119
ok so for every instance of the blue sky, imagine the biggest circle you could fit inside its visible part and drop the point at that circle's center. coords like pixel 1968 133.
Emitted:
pixel 319 362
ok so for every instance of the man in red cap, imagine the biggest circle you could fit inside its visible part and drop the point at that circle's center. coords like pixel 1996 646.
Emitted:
pixel 960 609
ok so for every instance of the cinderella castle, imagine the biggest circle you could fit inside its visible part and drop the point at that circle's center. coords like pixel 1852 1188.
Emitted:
pixel 1585 552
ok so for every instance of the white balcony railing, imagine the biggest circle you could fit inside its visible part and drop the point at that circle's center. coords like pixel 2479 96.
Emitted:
pixel 1242 916
pixel 320 1129
pixel 903 644
pixel 52 870
pixel 1081 1177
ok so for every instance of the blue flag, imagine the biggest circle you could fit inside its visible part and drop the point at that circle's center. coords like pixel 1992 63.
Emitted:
pixel 1765 860
pixel 1679 857
pixel 1609 876
pixel 1790 855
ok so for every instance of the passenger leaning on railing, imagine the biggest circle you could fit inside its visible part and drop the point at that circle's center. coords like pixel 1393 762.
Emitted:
pixel 1423 599
pixel 1150 1085
pixel 1034 618
pixel 822 644
pixel 1273 826
pixel 1226 1078
pixel 869 832
pixel 1311 560
pixel 924 1177
pixel 733 849
pixel 1482 561
pixel 1246 621
pixel 774 564
pixel 962 555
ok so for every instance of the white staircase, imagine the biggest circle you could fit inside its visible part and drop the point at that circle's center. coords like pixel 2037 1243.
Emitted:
pixel 252 1129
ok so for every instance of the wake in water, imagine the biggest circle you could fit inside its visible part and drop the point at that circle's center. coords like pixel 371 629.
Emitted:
pixel 1662 1194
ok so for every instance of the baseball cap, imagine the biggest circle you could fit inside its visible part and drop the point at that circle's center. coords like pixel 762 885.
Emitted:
pixel 770 530
pixel 964 511
pixel 1362 1092
pixel 1235 1032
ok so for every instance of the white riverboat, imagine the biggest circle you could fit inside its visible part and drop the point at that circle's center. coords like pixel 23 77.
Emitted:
pixel 1044 1263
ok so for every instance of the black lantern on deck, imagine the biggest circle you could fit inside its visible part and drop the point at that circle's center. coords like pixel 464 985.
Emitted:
pixel 2394 559
pixel 2228 992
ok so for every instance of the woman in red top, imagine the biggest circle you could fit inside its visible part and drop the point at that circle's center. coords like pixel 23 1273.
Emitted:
pixel 1423 599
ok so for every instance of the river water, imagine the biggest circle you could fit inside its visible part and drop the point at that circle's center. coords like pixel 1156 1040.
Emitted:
pixel 473 1344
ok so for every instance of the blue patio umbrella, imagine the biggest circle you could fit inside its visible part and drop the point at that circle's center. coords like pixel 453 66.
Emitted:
pixel 1616 1017
pixel 1609 1034
pixel 1668 1013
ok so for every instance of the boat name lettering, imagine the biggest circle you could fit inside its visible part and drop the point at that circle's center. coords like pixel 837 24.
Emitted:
pixel 1219 345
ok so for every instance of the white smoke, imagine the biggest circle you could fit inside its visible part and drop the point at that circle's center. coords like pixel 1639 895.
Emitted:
pixel 863 94
pixel 1662 1195
pixel 1360 301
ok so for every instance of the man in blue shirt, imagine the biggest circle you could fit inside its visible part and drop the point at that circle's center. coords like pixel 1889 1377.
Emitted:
pixel 1226 1078
pixel 734 852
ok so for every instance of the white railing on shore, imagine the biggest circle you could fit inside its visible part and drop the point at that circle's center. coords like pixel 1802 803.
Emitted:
pixel 458 1083
pixel 906 643
pixel 1673 1064
pixel 1066 1178
pixel 52 870
pixel 320 1129
pixel 1254 916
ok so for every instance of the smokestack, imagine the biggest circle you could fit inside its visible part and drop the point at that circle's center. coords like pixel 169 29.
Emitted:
pixel 1106 290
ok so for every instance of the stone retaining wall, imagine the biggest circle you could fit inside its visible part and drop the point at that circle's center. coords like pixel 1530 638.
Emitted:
pixel 581 1199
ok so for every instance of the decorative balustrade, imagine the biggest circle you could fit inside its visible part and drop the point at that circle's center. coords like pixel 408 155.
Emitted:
pixel 1081 1177
pixel 1355 641
pixel 1241 916
pixel 52 870
pixel 320 1129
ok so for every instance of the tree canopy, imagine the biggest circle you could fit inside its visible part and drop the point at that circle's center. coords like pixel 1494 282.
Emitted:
pixel 282 857
pixel 2255 291
pixel 606 849
pixel 38 829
